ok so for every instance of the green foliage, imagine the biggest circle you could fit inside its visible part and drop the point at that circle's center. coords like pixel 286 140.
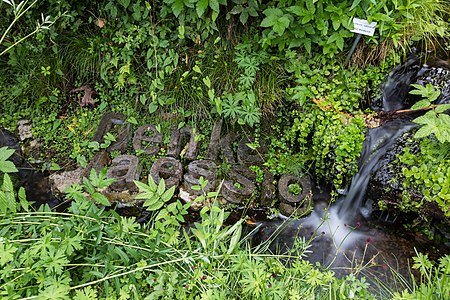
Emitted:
pixel 428 92
pixel 295 188
pixel 92 186
pixel 5 165
pixel 434 122
pixel 434 279
pixel 154 196
pixel 428 171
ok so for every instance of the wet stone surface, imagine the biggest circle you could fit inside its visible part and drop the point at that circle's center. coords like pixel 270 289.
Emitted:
pixel 283 188
pixel 98 162
pixel 114 123
pixel 169 169
pixel 184 140
pixel 214 142
pixel 268 190
pixel 238 187
pixel 149 135
pixel 24 128
pixel 125 169
pixel 7 139
pixel 249 156
pixel 226 149
pixel 200 168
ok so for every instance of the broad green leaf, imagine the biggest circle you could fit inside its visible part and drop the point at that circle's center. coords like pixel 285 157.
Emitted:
pixel 355 4
pixel 152 107
pixel 272 16
pixel 202 5
pixel 298 10
pixel 442 108
pixel 8 191
pixel 214 4
pixel 167 195
pixel 424 131
pixel 100 199
pixel 153 205
pixel 177 7
pixel 207 82
pixel 6 153
pixel 7 252
pixel 421 104
pixel 235 238
pixel 151 184
pixel 196 68
pixel 161 187
pixel 124 3
pixel 7 167
pixel 428 118
pixel 23 199
pixel 310 6
pixel 281 25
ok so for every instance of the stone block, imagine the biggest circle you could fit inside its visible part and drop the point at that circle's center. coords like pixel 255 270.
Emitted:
pixel 186 138
pixel 214 141
pixel 149 135
pixel 283 188
pixel 237 188
pixel 114 123
pixel 125 169
pixel 169 169
pixel 268 190
pixel 200 168
pixel 249 156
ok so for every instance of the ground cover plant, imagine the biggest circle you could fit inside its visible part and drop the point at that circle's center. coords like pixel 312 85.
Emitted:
pixel 92 253
pixel 273 68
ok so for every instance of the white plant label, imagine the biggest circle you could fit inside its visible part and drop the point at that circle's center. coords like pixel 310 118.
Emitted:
pixel 363 27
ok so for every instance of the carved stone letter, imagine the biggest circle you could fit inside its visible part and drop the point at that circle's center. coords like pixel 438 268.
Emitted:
pixel 125 169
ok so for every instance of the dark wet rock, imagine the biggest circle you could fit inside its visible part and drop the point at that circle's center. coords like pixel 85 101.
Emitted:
pixel 251 156
pixel 238 187
pixel 174 147
pixel 226 147
pixel 186 137
pixel 116 124
pixel 37 188
pixel 196 169
pixel 169 169
pixel 214 141
pixel 200 168
pixel 268 190
pixel 398 85
pixel 141 215
pixel 386 186
pixel 283 188
pixel 153 141
pixel 125 169
pixel 98 162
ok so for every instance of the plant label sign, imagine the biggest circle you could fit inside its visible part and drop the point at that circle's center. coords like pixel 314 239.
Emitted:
pixel 363 27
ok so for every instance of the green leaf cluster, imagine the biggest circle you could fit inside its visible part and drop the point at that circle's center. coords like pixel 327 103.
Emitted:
pixel 154 196
pixel 5 165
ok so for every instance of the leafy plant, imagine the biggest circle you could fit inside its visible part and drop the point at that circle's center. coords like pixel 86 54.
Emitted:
pixel 435 121
pixel 5 165
pixel 154 196
pixel 19 10
pixel 92 186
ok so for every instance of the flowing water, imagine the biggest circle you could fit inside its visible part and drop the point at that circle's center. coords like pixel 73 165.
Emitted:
pixel 339 235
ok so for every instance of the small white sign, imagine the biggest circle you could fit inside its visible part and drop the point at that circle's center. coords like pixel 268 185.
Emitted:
pixel 363 27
